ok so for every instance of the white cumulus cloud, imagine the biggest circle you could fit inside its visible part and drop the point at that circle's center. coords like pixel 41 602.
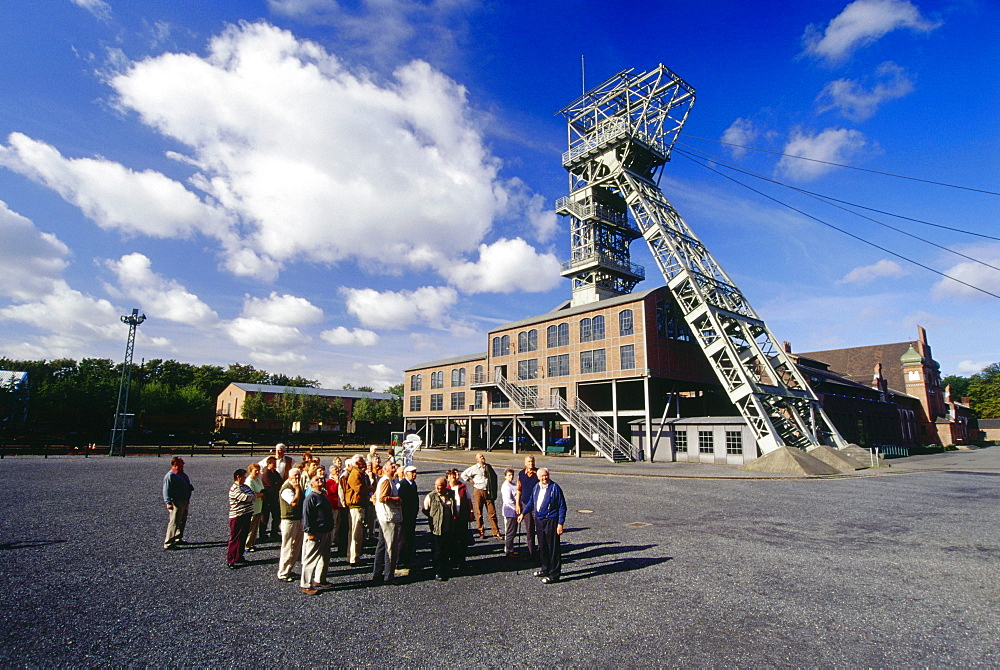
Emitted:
pixel 820 151
pixel 506 266
pixel 427 305
pixel 740 133
pixel 69 313
pixel 270 326
pixel 860 23
pixel 32 261
pixel 159 297
pixel 313 157
pixel 287 310
pixel 869 273
pixel 858 103
pixel 341 336
pixel 254 333
pixel 111 195
pixel 976 274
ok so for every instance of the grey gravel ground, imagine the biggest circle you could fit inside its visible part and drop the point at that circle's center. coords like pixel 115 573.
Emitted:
pixel 892 570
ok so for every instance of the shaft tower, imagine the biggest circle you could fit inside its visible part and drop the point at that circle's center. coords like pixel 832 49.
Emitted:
pixel 621 134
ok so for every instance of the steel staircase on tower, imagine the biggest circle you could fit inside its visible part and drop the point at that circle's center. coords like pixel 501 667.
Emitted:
pixel 593 428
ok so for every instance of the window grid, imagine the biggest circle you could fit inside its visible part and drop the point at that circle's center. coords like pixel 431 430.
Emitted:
pixel 734 442
pixel 597 328
pixel 681 440
pixel 557 366
pixel 557 335
pixel 706 444
pixel 458 400
pixel 437 402
pixel 625 326
pixel 592 361
pixel 527 369
pixel 414 403
pixel 627 354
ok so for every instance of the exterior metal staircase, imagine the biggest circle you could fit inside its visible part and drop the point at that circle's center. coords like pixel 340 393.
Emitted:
pixel 593 428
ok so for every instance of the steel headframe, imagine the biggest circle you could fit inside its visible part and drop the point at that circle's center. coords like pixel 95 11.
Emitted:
pixel 621 134
pixel 121 411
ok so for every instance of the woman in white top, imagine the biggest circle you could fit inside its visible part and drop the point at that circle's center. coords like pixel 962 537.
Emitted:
pixel 508 496
pixel 257 486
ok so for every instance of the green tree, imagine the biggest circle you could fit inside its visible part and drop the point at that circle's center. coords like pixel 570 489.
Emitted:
pixel 247 374
pixel 255 408
pixel 364 409
pixel 984 391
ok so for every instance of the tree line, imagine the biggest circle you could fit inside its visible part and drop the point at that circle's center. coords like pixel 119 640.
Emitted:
pixel 77 399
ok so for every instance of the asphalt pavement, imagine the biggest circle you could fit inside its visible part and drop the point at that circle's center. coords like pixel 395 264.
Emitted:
pixel 665 565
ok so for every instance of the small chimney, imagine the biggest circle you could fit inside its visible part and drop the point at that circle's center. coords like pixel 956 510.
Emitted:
pixel 787 346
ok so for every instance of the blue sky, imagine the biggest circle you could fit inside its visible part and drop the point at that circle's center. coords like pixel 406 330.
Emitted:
pixel 344 189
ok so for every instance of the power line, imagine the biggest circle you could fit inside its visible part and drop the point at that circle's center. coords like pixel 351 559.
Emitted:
pixel 840 230
pixel 822 198
pixel 845 202
pixel 850 167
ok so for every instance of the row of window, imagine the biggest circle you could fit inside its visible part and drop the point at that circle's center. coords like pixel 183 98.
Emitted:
pixel 556 366
pixel 557 335
pixel 591 361
pixel 437 379
pixel 706 442
pixel 437 401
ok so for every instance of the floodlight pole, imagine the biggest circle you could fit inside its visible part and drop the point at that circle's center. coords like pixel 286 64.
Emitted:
pixel 118 432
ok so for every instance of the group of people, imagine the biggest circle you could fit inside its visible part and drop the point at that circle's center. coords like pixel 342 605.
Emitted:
pixel 309 509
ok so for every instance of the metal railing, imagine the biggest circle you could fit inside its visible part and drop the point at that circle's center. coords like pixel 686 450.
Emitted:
pixel 596 430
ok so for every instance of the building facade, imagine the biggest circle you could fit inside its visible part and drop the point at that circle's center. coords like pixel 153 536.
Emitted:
pixel 229 405
pixel 630 360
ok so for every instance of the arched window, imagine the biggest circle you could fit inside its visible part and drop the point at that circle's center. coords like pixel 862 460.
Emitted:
pixel 597 328
pixel 496 346
pixel 585 330
pixel 625 326
pixel 527 340
pixel 557 336
pixel 479 377
pixel 505 345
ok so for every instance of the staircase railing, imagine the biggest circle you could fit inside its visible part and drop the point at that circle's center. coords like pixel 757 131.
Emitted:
pixel 596 430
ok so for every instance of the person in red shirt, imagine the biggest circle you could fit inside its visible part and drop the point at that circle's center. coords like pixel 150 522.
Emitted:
pixel 331 487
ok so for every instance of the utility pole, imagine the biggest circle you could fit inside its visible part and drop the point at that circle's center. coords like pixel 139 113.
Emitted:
pixel 121 412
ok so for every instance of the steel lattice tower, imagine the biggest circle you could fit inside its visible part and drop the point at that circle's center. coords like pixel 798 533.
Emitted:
pixel 621 134
pixel 121 411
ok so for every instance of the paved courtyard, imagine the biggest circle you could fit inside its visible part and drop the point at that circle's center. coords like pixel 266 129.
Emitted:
pixel 898 569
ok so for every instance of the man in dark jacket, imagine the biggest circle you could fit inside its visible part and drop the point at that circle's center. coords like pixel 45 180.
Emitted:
pixel 548 505
pixel 410 505
pixel 317 526
pixel 177 490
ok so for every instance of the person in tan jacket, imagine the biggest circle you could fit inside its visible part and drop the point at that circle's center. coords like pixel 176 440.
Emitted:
pixel 354 498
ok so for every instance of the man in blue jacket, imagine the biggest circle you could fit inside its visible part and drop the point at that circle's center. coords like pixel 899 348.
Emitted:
pixel 548 505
